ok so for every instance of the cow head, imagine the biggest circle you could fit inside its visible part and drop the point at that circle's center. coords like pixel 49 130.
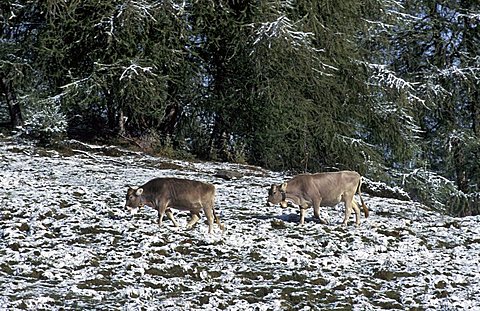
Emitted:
pixel 276 194
pixel 135 199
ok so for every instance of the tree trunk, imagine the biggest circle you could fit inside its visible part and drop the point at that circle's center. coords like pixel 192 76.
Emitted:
pixel 169 122
pixel 111 111
pixel 219 141
pixel 13 106
pixel 475 107
pixel 459 162
pixel 121 123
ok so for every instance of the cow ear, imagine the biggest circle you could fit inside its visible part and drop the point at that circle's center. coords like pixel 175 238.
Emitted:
pixel 272 189
pixel 139 191
pixel 283 187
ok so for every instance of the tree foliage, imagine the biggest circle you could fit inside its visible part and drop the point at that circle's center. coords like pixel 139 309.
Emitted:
pixel 374 86
pixel 437 48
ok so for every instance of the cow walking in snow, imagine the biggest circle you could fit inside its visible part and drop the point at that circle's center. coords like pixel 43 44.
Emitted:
pixel 182 194
pixel 321 189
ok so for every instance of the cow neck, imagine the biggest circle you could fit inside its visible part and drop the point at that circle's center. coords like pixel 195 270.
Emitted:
pixel 147 201
pixel 294 198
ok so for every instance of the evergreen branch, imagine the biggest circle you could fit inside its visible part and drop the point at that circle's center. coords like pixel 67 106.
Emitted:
pixel 133 68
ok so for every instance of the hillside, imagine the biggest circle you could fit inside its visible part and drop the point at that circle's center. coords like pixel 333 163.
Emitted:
pixel 67 243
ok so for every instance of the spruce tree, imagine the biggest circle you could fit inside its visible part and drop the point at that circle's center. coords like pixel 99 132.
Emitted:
pixel 437 48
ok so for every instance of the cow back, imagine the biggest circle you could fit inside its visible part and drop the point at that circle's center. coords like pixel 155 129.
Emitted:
pixel 180 192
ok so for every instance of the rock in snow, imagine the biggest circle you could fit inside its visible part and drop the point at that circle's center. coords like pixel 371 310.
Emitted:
pixel 67 243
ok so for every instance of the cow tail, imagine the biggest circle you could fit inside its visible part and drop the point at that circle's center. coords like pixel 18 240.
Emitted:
pixel 365 209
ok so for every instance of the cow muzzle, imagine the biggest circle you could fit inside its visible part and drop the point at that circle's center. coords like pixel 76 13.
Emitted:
pixel 132 210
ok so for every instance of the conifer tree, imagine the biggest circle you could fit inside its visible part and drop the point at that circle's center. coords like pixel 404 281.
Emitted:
pixel 374 86
pixel 436 48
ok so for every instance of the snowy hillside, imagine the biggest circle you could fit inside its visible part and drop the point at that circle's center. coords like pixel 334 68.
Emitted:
pixel 67 243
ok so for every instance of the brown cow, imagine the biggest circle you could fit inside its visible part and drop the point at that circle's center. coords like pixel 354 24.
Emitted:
pixel 182 194
pixel 321 189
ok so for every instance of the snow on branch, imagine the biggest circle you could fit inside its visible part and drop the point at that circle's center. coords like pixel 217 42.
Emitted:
pixel 396 10
pixel 127 72
pixel 143 8
pixel 435 88
pixel 179 8
pixel 434 85
pixel 474 17
pixel 134 69
pixel 325 66
pixel 75 83
pixel 379 24
pixel 84 85
pixel 384 76
pixel 353 142
pixel 389 78
pixel 460 136
pixel 403 16
pixel 462 73
pixel 284 28
pixel 403 116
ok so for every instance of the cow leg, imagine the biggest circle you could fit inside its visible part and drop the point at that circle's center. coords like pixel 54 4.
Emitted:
pixel 209 213
pixel 316 213
pixel 303 210
pixel 348 212
pixel 170 216
pixel 357 212
pixel 195 218
pixel 161 213
pixel 302 215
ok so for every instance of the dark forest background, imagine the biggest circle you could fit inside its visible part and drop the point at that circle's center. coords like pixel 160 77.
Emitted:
pixel 388 88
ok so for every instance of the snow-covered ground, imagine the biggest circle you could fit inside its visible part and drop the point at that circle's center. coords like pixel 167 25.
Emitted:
pixel 67 243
